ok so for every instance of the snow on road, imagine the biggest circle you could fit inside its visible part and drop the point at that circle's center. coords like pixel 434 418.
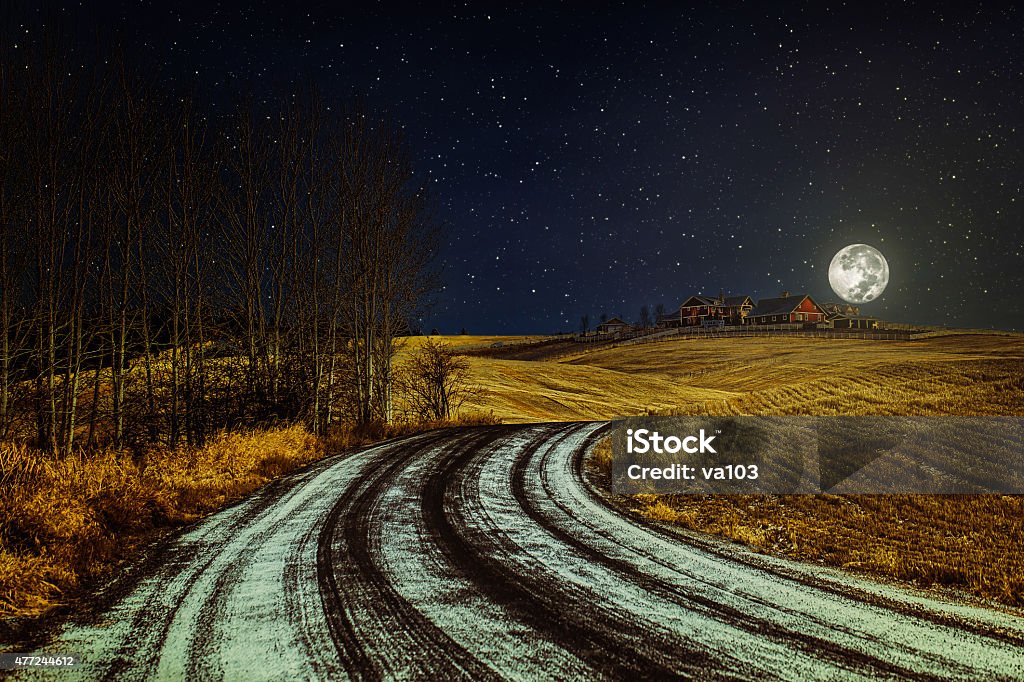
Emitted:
pixel 484 552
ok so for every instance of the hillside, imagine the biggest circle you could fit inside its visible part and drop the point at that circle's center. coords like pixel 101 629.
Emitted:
pixel 968 374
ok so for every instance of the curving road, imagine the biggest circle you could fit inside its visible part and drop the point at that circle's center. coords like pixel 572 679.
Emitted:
pixel 483 553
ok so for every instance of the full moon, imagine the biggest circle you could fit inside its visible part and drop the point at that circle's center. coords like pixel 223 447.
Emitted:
pixel 858 273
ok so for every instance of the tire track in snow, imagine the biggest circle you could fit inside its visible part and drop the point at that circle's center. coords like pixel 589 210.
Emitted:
pixel 485 553
pixel 377 632
pixel 451 596
pixel 520 576
pixel 716 609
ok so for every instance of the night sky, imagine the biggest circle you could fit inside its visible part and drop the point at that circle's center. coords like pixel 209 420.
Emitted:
pixel 593 160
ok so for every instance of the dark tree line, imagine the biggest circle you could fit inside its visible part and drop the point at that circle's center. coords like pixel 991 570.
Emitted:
pixel 165 273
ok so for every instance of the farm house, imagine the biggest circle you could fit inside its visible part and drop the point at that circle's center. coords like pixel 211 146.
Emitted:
pixel 698 309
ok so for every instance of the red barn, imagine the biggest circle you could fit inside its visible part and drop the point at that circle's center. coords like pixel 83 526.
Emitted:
pixel 798 308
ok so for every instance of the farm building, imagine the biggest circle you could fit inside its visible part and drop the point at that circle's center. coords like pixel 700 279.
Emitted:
pixel 852 322
pixel 833 308
pixel 699 309
pixel 786 309
pixel 694 309
pixel 734 309
pixel 668 321
pixel 613 326
pixel 715 311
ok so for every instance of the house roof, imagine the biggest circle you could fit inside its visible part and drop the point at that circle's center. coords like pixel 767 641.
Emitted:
pixel 838 316
pixel 698 299
pixel 614 320
pixel 701 299
pixel 779 306
pixel 737 300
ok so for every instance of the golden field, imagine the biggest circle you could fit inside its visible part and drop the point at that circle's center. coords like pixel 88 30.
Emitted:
pixel 463 341
pixel 962 375
pixel 972 544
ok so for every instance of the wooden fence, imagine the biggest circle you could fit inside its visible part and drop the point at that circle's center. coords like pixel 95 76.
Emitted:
pixel 587 343
pixel 596 342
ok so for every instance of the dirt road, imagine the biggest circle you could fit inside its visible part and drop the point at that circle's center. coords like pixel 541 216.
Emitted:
pixel 483 553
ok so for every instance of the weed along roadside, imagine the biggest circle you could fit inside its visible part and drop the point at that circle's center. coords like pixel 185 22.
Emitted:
pixel 969 544
pixel 70 521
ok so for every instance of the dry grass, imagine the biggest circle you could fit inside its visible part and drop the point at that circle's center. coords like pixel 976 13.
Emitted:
pixel 65 521
pixel 601 457
pixel 973 543
pixel 469 342
pixel 344 438
pixel 962 375
pixel 520 391
pixel 968 542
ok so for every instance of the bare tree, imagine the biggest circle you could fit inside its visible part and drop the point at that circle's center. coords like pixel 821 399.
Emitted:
pixel 14 251
pixel 183 285
pixel 245 208
pixel 436 382
pixel 645 317
pixel 58 158
pixel 136 148
pixel 389 242
pixel 306 263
